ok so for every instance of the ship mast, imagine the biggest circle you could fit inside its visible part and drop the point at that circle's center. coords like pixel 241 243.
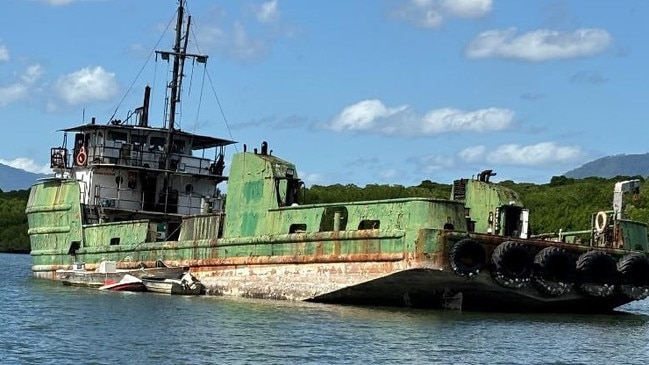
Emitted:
pixel 174 85
pixel 179 54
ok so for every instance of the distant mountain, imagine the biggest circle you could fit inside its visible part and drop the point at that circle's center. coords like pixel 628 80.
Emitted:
pixel 611 166
pixel 16 179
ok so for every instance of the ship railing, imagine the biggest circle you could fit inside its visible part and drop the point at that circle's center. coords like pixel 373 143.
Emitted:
pixel 563 236
pixel 175 202
pixel 134 155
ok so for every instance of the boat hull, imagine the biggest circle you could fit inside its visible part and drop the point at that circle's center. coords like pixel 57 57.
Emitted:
pixel 173 286
pixel 95 279
pixel 404 283
pixel 387 280
pixel 134 287
pixel 317 269
pixel 128 283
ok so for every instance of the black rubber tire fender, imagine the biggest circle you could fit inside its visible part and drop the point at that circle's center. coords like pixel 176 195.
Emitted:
pixel 554 271
pixel 467 257
pixel 597 273
pixel 511 264
pixel 634 275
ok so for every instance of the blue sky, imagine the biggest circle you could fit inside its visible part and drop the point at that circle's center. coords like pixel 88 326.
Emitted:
pixel 388 92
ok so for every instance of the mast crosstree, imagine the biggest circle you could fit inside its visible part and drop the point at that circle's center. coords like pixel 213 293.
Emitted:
pixel 179 55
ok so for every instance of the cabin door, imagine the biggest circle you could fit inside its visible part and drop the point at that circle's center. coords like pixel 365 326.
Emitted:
pixel 149 186
pixel 512 223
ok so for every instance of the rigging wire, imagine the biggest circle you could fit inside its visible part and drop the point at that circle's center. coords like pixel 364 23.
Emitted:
pixel 191 78
pixel 179 121
pixel 143 67
pixel 200 97
pixel 165 115
pixel 155 73
pixel 218 102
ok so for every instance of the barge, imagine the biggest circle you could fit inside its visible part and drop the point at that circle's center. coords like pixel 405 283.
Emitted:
pixel 135 194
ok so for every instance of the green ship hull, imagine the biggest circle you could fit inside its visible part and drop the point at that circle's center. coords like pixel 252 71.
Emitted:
pixel 389 252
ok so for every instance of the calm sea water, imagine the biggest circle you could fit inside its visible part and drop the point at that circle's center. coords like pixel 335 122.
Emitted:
pixel 43 322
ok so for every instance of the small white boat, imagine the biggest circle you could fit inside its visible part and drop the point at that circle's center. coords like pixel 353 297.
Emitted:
pixel 187 285
pixel 128 283
pixel 108 273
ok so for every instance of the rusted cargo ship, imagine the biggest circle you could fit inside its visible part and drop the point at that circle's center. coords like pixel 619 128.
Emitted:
pixel 135 194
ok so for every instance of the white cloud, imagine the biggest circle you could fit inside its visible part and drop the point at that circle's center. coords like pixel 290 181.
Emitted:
pixel 27 164
pixel 538 45
pixel 12 93
pixel 374 116
pixel 311 178
pixel 267 12
pixel 32 73
pixel 466 8
pixel 388 174
pixel 544 153
pixel 4 53
pixel 246 38
pixel 452 120
pixel 364 115
pixel 87 84
pixel 235 43
pixel 20 89
pixel 243 46
pixel 432 13
pixel 588 77
pixel 473 154
pixel 209 37
pixel 433 163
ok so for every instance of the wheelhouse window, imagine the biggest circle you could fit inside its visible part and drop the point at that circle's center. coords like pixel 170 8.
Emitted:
pixel 139 142
pixel 179 146
pixel 118 136
pixel 157 143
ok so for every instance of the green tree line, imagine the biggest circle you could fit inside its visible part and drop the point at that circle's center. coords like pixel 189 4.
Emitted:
pixel 569 204
pixel 13 221
pixel 563 203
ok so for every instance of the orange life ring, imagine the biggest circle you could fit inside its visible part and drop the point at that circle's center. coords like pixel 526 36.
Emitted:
pixel 81 156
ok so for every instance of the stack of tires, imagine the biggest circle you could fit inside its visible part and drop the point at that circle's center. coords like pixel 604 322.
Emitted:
pixel 553 271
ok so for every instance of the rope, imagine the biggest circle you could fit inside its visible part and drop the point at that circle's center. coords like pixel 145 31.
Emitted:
pixel 218 102
pixel 165 115
pixel 200 97
pixel 155 78
pixel 191 79
pixel 141 69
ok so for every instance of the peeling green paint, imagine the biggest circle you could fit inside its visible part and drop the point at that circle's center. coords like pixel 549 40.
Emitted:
pixel 257 222
pixel 54 215
pixel 260 222
pixel 128 233
pixel 633 235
